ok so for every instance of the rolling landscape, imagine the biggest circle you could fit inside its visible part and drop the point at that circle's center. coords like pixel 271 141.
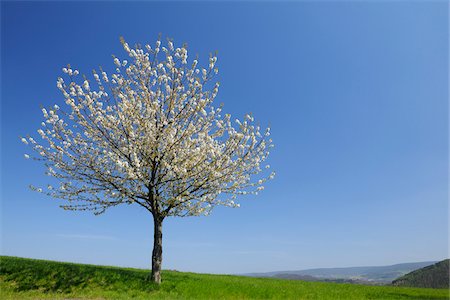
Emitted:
pixel 366 275
pixel 22 278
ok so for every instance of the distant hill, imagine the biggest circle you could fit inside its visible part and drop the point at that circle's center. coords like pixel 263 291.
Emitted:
pixel 434 276
pixel 317 279
pixel 374 274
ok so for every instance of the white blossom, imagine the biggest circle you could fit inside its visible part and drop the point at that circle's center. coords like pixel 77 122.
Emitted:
pixel 105 77
pixel 150 135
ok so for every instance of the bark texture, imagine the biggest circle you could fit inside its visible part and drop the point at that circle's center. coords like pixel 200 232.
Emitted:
pixel 157 251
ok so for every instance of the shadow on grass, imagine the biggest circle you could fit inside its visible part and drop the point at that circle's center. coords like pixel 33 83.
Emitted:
pixel 26 275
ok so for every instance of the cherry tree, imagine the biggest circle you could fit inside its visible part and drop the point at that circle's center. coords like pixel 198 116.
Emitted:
pixel 149 134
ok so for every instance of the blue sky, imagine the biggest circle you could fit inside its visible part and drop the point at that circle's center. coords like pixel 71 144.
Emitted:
pixel 357 97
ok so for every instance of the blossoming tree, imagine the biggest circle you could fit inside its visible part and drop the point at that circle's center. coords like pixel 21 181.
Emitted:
pixel 150 135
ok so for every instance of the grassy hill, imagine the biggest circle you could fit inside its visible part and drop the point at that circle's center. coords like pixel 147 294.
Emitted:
pixel 434 276
pixel 22 278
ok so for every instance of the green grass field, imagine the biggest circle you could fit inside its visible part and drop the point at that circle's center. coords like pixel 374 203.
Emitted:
pixel 22 278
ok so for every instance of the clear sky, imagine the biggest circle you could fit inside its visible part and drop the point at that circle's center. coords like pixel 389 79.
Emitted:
pixel 357 97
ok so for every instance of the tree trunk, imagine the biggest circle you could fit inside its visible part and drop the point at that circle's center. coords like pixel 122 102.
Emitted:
pixel 157 250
